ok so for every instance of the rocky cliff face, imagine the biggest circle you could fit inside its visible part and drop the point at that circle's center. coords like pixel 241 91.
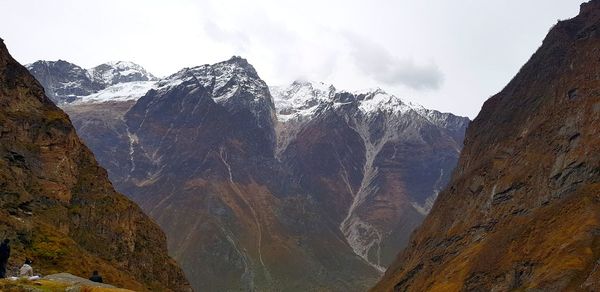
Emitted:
pixel 57 204
pixel 375 161
pixel 523 209
pixel 309 189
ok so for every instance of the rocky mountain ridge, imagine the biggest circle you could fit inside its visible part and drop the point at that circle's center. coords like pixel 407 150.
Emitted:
pixel 58 206
pixel 312 188
pixel 384 134
pixel 64 82
pixel 522 211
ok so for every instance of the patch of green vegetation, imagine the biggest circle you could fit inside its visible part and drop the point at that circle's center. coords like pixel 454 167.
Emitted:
pixel 47 247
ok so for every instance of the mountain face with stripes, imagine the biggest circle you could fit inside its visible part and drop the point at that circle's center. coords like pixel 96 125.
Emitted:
pixel 295 188
pixel 375 161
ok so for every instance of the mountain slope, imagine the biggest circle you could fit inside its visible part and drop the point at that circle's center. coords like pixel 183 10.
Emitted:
pixel 264 192
pixel 523 209
pixel 57 204
pixel 374 161
pixel 200 152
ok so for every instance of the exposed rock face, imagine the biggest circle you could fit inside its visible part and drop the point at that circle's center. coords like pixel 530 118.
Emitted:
pixel 62 80
pixel 315 192
pixel 65 82
pixel 57 204
pixel 245 206
pixel 374 161
pixel 523 208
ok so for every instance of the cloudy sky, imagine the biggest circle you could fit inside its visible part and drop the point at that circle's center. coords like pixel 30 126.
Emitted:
pixel 447 55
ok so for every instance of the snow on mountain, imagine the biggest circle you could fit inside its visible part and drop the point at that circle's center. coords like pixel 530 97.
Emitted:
pixel 63 81
pixel 119 92
pixel 369 157
pixel 224 79
pixel 389 135
pixel 374 100
pixel 300 99
pixel 118 72
pixel 124 81
pixel 66 82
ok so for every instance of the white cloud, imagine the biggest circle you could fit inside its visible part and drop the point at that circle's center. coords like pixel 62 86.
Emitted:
pixel 477 46
pixel 374 60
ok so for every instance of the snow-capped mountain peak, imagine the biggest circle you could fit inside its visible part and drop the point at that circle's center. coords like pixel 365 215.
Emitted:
pixel 123 80
pixel 66 82
pixel 373 100
pixel 224 79
pixel 301 98
pixel 114 72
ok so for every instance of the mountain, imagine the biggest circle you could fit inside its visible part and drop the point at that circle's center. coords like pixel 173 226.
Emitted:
pixel 112 73
pixel 374 161
pixel 64 81
pixel 58 206
pixel 197 153
pixel 522 211
pixel 263 192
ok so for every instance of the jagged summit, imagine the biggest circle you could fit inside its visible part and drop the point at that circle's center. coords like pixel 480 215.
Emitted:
pixel 66 82
pixel 233 79
pixel 108 73
pixel 303 99
pixel 235 64
pixel 591 7
pixel 127 81
pixel 374 100
pixel 114 72
pixel 242 62
pixel 59 62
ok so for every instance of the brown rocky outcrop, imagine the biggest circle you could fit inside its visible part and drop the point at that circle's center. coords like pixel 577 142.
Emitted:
pixel 522 210
pixel 58 206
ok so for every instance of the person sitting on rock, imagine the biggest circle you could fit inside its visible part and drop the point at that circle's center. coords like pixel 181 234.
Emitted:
pixel 96 277
pixel 26 270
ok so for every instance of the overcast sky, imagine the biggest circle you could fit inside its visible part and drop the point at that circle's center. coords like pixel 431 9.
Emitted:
pixel 446 55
